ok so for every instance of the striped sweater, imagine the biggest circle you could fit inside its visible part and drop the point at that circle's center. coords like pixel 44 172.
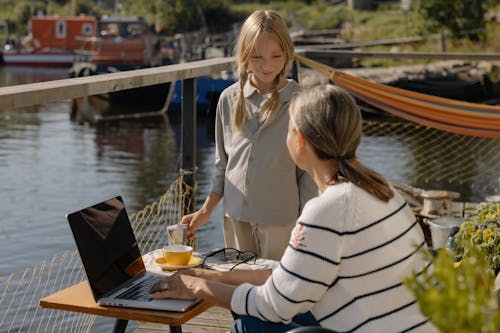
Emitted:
pixel 345 262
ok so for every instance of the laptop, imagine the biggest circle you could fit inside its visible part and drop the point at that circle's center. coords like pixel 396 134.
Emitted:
pixel 112 259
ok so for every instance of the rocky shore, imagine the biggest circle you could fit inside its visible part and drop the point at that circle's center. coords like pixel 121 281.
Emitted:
pixel 463 80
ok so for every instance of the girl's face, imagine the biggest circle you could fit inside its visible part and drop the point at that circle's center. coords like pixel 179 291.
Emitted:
pixel 266 61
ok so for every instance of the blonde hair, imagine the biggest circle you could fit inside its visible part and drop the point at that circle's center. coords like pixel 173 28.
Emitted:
pixel 260 22
pixel 331 122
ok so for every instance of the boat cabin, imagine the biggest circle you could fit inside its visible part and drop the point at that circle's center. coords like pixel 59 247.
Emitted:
pixel 122 41
pixel 60 32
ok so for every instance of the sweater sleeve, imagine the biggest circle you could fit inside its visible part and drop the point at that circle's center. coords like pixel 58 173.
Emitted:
pixel 305 272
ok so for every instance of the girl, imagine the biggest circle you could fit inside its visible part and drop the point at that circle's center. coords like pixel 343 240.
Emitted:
pixel 349 252
pixel 263 190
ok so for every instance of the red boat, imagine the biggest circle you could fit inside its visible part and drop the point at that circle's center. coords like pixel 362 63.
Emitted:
pixel 53 41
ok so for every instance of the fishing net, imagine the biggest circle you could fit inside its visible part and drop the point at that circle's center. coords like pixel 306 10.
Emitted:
pixel 20 292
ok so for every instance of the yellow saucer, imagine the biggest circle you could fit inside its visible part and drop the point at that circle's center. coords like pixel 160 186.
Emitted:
pixel 193 262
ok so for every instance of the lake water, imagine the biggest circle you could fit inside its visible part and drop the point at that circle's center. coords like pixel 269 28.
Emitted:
pixel 50 165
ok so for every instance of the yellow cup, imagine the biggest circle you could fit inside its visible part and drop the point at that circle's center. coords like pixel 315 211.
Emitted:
pixel 177 255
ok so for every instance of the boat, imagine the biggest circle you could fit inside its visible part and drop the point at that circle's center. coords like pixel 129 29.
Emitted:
pixel 126 43
pixel 53 41
pixel 122 44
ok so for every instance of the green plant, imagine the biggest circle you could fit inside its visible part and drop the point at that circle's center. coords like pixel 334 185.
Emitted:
pixel 482 229
pixel 458 297
pixel 460 18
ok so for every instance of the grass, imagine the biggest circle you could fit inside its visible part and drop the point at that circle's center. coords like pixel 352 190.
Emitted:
pixel 388 22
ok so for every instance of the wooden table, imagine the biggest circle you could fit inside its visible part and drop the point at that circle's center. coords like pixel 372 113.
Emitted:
pixel 78 298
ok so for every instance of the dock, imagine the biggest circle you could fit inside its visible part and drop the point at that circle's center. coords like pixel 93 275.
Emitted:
pixel 21 291
pixel 214 320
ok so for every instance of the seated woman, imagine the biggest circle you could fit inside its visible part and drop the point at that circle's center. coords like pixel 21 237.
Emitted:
pixel 349 251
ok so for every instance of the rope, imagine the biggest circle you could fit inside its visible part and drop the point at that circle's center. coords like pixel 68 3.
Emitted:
pixel 440 113
pixel 21 292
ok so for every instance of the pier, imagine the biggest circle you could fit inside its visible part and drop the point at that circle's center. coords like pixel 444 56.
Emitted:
pixel 471 158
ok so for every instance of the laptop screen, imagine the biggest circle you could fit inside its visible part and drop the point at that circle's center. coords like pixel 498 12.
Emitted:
pixel 107 245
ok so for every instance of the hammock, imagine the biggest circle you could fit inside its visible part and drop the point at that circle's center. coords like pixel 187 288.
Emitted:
pixel 449 115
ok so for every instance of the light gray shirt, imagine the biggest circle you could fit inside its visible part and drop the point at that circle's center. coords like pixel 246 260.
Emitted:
pixel 253 169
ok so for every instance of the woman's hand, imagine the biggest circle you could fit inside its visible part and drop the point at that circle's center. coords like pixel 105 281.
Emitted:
pixel 189 287
pixel 180 286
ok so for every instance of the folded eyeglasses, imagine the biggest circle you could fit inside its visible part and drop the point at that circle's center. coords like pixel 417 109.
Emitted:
pixel 229 255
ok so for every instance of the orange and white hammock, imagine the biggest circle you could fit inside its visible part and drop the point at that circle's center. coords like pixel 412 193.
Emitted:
pixel 441 113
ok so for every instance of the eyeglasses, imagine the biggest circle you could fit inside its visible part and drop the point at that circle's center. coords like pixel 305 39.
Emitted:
pixel 229 255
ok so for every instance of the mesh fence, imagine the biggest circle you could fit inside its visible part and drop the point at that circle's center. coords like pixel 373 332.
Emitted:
pixel 20 292
pixel 431 158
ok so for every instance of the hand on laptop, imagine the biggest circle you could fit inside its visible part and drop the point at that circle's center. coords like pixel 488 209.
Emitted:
pixel 178 286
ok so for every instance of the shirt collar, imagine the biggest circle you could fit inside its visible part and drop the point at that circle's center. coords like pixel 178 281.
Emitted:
pixel 286 93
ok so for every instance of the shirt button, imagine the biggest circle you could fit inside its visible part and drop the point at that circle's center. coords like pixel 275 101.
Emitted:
pixel 245 202
pixel 247 181
pixel 250 158
pixel 255 137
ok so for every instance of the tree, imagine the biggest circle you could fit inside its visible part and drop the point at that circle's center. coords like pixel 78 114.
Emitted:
pixel 460 17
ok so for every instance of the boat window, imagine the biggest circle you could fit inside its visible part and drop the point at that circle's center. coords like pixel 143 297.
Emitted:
pixel 133 30
pixel 60 29
pixel 109 30
pixel 87 29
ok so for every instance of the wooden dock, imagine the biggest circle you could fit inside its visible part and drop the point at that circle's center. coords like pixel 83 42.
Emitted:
pixel 214 320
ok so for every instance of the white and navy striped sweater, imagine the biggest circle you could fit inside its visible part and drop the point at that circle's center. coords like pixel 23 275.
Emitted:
pixel 345 262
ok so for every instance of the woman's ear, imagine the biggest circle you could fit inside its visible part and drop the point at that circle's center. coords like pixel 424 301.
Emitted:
pixel 301 140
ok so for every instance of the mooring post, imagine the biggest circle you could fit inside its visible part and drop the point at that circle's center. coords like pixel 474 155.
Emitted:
pixel 188 145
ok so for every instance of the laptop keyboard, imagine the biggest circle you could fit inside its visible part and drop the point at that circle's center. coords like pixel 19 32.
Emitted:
pixel 140 291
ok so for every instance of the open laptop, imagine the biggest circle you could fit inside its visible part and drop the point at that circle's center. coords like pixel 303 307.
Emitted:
pixel 112 259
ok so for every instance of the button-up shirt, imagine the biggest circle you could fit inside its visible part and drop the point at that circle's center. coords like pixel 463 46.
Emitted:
pixel 254 171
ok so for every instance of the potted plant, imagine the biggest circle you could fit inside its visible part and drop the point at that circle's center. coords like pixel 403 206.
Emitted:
pixel 457 292
pixel 482 229
pixel 458 298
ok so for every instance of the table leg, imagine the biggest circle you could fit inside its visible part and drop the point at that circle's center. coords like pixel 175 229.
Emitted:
pixel 175 329
pixel 120 326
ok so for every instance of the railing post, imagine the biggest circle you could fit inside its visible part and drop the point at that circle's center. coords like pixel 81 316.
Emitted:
pixel 295 70
pixel 188 144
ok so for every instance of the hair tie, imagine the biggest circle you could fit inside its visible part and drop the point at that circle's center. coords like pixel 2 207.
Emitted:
pixel 345 157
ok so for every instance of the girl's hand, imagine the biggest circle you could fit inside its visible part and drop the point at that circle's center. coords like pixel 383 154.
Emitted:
pixel 194 221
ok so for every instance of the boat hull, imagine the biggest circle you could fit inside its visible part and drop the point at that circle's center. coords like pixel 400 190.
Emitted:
pixel 39 59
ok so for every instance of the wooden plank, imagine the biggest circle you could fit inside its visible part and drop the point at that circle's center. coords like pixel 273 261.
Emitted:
pixel 327 54
pixel 405 55
pixel 52 91
pixel 366 43
pixel 215 319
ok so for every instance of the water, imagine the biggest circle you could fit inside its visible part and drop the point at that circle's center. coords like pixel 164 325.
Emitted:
pixel 50 165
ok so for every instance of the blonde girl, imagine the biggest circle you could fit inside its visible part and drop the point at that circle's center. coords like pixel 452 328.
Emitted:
pixel 263 190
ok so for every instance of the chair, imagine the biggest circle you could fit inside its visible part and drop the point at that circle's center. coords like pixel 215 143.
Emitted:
pixel 310 329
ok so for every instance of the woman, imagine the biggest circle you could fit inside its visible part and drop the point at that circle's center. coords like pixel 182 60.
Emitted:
pixel 349 252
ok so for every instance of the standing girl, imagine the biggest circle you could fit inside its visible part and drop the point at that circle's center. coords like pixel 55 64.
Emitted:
pixel 262 188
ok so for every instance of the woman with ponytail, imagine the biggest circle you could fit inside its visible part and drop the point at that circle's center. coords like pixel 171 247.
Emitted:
pixel 262 188
pixel 349 252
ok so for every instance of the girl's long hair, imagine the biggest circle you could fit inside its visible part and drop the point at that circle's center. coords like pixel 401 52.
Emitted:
pixel 331 122
pixel 259 23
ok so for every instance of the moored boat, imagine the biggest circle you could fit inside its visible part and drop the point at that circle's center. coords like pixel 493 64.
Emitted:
pixel 122 44
pixel 53 41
